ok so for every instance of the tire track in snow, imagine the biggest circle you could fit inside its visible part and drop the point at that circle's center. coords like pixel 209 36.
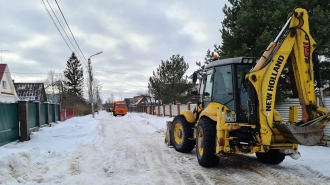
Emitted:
pixel 209 175
pixel 153 159
pixel 159 161
pixel 171 167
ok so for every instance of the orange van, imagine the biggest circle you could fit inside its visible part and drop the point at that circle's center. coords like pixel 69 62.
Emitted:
pixel 119 108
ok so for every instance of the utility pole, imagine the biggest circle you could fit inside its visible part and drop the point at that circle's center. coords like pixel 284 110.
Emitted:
pixel 91 99
pixel 90 85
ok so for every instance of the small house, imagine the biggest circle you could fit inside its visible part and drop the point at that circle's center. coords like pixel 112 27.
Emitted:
pixel 7 89
pixel 31 91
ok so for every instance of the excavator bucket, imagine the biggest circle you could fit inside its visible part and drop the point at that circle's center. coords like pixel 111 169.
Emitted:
pixel 305 135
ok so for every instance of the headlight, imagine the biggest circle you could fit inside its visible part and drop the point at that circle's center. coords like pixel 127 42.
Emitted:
pixel 248 60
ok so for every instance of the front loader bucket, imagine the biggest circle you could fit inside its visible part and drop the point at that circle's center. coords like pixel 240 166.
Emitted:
pixel 304 135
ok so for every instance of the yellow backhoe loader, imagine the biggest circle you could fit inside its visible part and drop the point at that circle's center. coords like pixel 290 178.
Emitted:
pixel 237 99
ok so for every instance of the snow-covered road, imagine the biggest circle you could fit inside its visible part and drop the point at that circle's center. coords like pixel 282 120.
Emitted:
pixel 131 150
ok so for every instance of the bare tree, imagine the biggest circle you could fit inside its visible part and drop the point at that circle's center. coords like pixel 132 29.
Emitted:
pixel 97 88
pixel 51 87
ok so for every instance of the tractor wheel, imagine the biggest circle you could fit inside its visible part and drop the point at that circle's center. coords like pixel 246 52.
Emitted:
pixel 182 134
pixel 270 157
pixel 114 114
pixel 205 143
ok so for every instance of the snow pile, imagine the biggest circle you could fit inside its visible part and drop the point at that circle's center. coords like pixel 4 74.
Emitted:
pixel 43 154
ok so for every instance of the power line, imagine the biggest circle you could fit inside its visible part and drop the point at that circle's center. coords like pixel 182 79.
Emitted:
pixel 70 29
pixel 55 24
pixel 63 29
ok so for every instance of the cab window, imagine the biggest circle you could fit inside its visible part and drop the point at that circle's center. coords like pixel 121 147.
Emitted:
pixel 208 85
pixel 223 86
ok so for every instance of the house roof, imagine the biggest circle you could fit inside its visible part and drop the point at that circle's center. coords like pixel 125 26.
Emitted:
pixel 29 91
pixel 2 70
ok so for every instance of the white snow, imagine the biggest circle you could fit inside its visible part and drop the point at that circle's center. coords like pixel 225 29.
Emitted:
pixel 131 150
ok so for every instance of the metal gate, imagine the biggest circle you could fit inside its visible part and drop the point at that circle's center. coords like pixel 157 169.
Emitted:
pixel 9 123
pixel 33 115
pixel 44 113
pixel 51 113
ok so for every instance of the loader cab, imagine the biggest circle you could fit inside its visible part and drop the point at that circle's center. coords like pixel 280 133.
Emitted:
pixel 224 83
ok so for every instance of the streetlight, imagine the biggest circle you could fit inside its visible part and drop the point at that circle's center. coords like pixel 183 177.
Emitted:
pixel 90 82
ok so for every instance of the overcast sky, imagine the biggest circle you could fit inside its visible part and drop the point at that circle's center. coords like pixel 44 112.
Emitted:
pixel 133 35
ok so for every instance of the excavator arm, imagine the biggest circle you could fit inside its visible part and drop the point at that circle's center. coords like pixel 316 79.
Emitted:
pixel 294 42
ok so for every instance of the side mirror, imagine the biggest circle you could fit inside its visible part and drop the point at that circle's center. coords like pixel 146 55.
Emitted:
pixel 194 77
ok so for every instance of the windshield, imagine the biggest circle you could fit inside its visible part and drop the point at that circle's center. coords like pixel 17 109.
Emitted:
pixel 120 105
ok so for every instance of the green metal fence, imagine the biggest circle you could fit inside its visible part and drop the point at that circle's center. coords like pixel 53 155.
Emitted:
pixel 58 112
pixel 9 124
pixel 51 112
pixel 43 114
pixel 33 115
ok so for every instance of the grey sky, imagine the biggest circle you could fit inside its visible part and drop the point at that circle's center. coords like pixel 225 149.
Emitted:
pixel 133 35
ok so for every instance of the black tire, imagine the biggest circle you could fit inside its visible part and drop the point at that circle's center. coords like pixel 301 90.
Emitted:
pixel 114 114
pixel 270 157
pixel 205 143
pixel 182 134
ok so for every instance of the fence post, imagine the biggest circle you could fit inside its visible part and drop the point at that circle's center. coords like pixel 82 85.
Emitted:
pixel 170 110
pixel 158 110
pixel 188 105
pixel 38 113
pixel 23 120
pixel 304 113
pixel 178 108
pixel 164 111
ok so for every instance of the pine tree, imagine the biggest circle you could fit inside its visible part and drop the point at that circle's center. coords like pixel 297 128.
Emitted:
pixel 249 27
pixel 168 82
pixel 74 79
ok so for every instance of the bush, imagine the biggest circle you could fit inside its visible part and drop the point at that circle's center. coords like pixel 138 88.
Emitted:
pixel 82 109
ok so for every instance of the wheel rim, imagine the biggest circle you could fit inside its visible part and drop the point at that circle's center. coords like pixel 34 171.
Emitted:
pixel 178 133
pixel 200 140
